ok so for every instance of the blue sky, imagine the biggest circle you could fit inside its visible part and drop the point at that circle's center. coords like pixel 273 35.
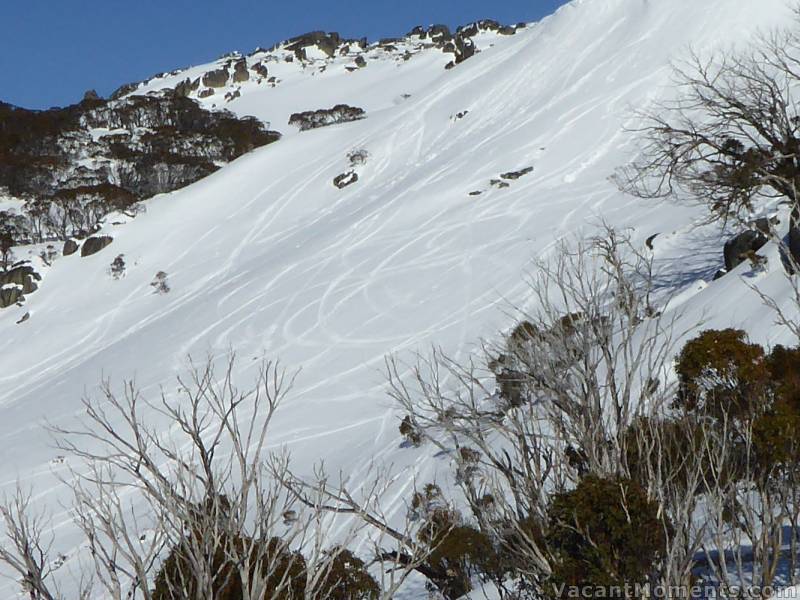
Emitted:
pixel 52 51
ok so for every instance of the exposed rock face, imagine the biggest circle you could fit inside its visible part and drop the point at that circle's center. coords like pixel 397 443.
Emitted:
pixel 94 244
pixel 474 29
pixel 737 248
pixel 70 247
pixel 23 276
pixel 115 153
pixel 460 43
pixel 261 70
pixel 16 282
pixel 513 175
pixel 341 113
pixel 319 46
pixel 240 72
pixel 462 47
pixel 216 79
pixel 186 87
pixel 326 42
pixel 9 296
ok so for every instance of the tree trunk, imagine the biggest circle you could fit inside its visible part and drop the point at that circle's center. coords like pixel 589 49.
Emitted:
pixel 794 234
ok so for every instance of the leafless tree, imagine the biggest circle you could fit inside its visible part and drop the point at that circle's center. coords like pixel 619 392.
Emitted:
pixel 732 136
pixel 587 362
pixel 667 454
pixel 396 550
pixel 196 503
pixel 7 243
pixel 594 353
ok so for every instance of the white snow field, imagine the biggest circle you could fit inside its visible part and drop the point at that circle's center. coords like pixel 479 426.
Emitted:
pixel 268 258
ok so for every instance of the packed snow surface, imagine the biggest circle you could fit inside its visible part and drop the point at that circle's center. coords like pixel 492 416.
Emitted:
pixel 268 258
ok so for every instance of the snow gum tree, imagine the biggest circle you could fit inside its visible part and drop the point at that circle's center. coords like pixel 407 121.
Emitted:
pixel 732 135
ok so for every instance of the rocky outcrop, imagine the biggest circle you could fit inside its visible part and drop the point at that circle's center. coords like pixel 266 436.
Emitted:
pixel 216 79
pixel 261 70
pixel 462 47
pixel 23 276
pixel 460 43
pixel 341 113
pixel 16 282
pixel 474 29
pixel 345 179
pixel 70 247
pixel 326 42
pixel 240 72
pixel 9 296
pixel 186 87
pixel 514 175
pixel 739 247
pixel 94 244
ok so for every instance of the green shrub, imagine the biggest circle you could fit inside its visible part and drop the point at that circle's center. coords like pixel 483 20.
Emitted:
pixel 459 552
pixel 784 369
pixel 723 375
pixel 281 568
pixel 346 578
pixel 604 533
pixel 775 439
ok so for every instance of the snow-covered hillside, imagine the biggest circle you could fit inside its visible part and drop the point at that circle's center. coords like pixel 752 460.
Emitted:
pixel 268 257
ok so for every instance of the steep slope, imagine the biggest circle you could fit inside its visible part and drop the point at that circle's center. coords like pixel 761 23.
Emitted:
pixel 267 256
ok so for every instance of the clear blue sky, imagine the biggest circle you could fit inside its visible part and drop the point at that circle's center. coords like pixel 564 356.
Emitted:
pixel 51 51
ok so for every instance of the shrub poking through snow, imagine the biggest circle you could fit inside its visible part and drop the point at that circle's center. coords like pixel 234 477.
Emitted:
pixel 117 268
pixel 605 532
pixel 49 254
pixel 160 283
pixel 283 571
pixel 458 551
pixel 411 433
pixel 720 373
pixel 358 157
pixel 346 577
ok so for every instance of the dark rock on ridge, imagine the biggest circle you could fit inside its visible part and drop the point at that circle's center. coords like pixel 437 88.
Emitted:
pixel 737 248
pixel 345 179
pixel 70 247
pixel 93 245
pixel 216 79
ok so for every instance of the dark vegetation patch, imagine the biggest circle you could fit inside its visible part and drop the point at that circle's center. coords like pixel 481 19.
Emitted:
pixel 152 145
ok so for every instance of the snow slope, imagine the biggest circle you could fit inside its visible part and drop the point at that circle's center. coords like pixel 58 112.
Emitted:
pixel 267 257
